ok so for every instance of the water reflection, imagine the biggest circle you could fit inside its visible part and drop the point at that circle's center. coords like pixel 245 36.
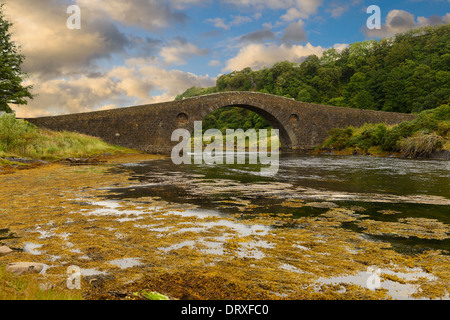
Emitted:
pixel 375 186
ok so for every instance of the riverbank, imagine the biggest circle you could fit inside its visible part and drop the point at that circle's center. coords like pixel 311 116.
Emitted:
pixel 73 216
pixel 10 165
pixel 377 152
pixel 23 145
pixel 426 137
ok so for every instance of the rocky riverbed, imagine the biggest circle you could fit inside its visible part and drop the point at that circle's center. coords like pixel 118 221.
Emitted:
pixel 62 215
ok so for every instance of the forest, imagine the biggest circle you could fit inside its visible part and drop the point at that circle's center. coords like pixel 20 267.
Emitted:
pixel 407 73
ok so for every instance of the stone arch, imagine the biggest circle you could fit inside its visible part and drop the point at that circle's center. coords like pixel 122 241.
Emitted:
pixel 271 113
pixel 182 118
pixel 286 140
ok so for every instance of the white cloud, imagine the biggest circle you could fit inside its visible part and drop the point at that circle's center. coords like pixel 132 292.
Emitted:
pixel 148 14
pixel 399 21
pixel 433 20
pixel 294 33
pixel 236 21
pixel 340 46
pixel 257 16
pixel 293 14
pixel 50 48
pixel 338 10
pixel 130 84
pixel 179 50
pixel 303 7
pixel 258 56
pixel 258 36
pixel 64 65
pixel 183 4
pixel 219 23
pixel 71 95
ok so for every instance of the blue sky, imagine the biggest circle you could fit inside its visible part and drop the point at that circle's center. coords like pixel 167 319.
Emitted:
pixel 131 52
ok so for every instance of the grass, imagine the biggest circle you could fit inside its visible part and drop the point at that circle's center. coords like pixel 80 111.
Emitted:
pixel 4 162
pixel 28 287
pixel 19 138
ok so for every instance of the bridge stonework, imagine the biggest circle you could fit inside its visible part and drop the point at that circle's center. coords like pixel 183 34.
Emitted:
pixel 149 127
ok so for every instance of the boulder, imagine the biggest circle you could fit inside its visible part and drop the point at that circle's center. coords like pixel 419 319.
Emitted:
pixel 21 268
pixel 4 250
pixel 84 160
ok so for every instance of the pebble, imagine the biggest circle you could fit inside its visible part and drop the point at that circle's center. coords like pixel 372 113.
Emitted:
pixel 4 250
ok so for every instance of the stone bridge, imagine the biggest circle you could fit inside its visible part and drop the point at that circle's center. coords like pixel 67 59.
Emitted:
pixel 149 128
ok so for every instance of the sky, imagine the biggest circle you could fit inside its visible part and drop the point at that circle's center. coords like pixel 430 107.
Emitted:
pixel 133 52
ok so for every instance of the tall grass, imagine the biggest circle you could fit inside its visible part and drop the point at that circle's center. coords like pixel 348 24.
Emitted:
pixel 28 287
pixel 421 144
pixel 23 139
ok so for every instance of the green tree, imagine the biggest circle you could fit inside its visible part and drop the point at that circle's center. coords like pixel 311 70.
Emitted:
pixel 11 76
pixel 409 73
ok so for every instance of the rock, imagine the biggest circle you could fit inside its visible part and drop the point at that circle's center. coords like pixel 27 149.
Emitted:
pixel 84 160
pixel 325 205
pixel 99 281
pixel 21 160
pixel 21 268
pixel 440 155
pixel 4 250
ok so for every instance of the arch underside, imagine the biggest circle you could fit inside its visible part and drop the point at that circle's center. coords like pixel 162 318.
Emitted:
pixel 286 139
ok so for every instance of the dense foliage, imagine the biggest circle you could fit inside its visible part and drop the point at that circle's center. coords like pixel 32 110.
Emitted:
pixel 11 76
pixel 428 133
pixel 234 118
pixel 408 73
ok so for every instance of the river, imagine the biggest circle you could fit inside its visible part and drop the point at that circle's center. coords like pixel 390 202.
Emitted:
pixel 386 189
pixel 324 227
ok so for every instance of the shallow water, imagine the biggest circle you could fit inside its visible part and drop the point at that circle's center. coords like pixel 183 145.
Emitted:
pixel 383 189
pixel 310 232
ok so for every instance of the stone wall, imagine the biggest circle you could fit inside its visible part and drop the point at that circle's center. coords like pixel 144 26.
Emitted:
pixel 149 127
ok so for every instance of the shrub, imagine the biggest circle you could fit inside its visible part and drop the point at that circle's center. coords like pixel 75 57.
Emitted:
pixel 421 136
pixel 339 138
pixel 370 137
pixel 421 144
pixel 441 113
pixel 394 135
pixel 443 128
